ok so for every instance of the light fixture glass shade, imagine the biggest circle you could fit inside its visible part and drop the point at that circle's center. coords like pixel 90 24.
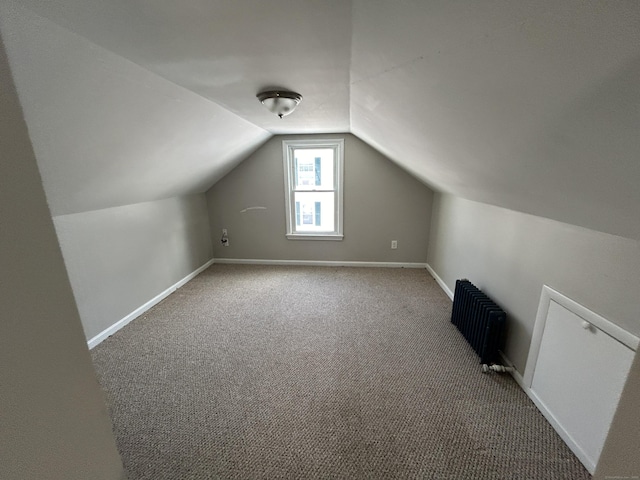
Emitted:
pixel 281 103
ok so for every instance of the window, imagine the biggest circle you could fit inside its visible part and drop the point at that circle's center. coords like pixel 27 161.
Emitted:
pixel 313 188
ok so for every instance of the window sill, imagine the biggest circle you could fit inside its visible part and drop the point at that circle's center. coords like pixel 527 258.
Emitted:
pixel 315 236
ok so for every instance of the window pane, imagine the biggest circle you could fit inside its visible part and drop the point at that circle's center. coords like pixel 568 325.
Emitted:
pixel 313 169
pixel 315 211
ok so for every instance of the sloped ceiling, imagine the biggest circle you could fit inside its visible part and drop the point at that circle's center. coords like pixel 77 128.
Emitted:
pixel 533 106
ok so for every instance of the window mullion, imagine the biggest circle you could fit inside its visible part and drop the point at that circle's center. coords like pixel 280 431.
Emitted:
pixel 315 191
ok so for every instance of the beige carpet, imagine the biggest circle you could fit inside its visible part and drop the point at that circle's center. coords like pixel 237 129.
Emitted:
pixel 313 372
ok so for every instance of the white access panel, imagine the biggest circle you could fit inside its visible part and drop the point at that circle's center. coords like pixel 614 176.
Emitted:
pixel 578 372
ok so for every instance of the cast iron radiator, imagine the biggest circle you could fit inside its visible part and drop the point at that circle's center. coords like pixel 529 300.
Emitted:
pixel 479 319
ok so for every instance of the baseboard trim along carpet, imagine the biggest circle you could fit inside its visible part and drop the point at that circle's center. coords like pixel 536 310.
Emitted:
pixel 140 310
pixel 515 373
pixel 517 376
pixel 437 278
pixel 319 263
pixel 306 372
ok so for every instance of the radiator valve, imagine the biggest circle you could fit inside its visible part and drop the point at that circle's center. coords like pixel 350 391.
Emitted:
pixel 496 368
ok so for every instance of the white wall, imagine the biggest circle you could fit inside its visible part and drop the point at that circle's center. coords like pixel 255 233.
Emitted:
pixel 510 255
pixel 53 420
pixel 381 203
pixel 120 258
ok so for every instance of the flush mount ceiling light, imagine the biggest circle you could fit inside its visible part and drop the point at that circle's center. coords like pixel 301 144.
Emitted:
pixel 280 102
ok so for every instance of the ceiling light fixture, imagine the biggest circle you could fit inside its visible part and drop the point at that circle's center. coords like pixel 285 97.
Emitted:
pixel 280 102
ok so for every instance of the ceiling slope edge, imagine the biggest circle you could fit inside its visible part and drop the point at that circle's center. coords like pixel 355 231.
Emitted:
pixel 106 131
pixel 531 107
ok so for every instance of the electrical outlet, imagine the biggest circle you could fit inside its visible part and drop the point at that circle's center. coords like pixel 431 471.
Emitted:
pixel 394 244
pixel 225 239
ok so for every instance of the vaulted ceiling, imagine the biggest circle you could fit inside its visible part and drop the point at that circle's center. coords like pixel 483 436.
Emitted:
pixel 532 106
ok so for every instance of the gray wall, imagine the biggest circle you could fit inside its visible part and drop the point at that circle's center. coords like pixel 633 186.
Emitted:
pixel 511 255
pixel 118 149
pixel 381 203
pixel 120 258
pixel 619 457
pixel 54 423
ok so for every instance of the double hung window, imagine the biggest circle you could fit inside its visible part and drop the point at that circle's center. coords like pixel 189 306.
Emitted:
pixel 313 188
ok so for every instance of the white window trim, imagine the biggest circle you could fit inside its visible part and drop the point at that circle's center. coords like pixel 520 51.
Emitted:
pixel 288 147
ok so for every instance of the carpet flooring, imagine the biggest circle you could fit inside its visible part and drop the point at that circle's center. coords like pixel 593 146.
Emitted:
pixel 316 372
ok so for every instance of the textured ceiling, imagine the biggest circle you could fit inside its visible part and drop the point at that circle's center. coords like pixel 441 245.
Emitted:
pixel 533 106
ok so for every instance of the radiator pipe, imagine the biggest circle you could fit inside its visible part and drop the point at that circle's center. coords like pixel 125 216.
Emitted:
pixel 496 368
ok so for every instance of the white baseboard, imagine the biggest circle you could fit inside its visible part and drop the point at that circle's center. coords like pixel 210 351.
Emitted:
pixel 319 263
pixel 566 437
pixel 140 310
pixel 557 426
pixel 443 285
pixel 575 447
pixel 517 376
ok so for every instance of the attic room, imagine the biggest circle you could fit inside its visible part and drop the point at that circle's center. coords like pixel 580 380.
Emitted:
pixel 495 141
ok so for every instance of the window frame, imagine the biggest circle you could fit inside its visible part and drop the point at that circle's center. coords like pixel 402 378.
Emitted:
pixel 288 147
